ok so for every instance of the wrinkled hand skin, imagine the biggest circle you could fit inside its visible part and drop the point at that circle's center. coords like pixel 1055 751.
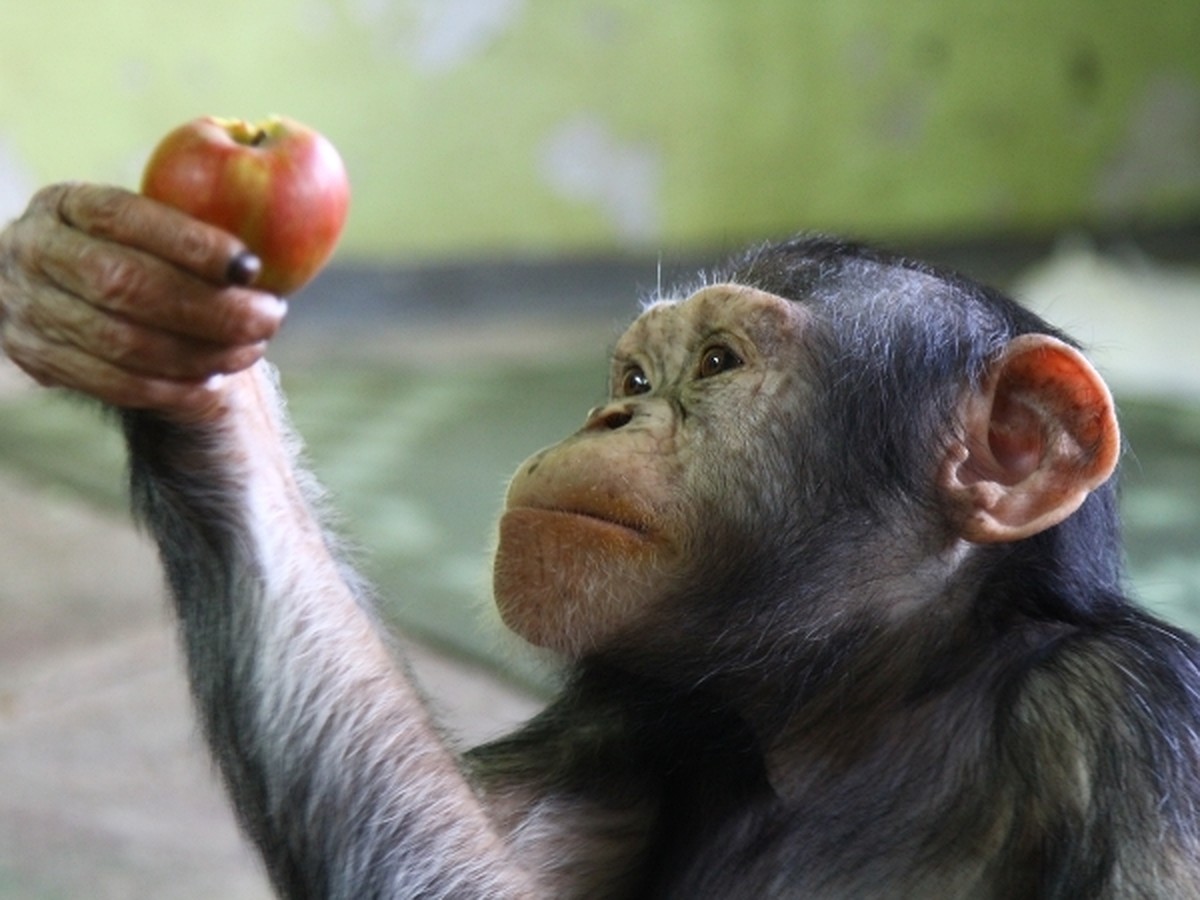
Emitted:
pixel 124 299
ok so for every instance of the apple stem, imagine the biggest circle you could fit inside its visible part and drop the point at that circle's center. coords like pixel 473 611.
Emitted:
pixel 248 134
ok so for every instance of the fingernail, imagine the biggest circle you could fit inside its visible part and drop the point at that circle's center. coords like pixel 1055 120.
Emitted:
pixel 243 269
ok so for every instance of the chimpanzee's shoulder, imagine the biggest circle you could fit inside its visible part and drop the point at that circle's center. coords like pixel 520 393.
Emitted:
pixel 1127 679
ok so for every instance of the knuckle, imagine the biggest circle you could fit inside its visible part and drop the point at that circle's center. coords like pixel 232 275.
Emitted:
pixel 48 200
pixel 98 210
pixel 18 254
pixel 33 238
pixel 115 277
pixel 196 245
pixel 22 258
pixel 122 344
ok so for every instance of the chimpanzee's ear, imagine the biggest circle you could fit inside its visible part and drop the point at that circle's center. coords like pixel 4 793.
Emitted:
pixel 1037 437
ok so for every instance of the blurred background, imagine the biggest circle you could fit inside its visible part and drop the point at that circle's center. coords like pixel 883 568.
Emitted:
pixel 524 171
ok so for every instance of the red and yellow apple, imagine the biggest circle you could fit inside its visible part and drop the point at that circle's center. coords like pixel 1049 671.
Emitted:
pixel 277 184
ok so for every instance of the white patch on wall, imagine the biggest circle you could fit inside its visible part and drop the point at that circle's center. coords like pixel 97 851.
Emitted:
pixel 1160 155
pixel 16 182
pixel 436 36
pixel 583 161
pixel 1127 310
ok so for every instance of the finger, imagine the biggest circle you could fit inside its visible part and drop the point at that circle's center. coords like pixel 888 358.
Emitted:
pixel 141 288
pixel 135 347
pixel 66 366
pixel 160 230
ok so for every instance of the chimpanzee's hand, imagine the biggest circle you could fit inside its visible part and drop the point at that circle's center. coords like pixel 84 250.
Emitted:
pixel 125 299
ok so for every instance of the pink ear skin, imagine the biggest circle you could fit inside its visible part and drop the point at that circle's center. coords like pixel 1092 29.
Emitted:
pixel 1037 438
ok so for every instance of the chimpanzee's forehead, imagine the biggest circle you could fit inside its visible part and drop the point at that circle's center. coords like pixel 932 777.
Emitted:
pixel 731 308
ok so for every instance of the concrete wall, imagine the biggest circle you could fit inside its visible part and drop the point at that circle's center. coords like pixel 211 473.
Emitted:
pixel 531 127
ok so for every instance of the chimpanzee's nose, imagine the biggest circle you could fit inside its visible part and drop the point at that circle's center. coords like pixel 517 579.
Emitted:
pixel 609 417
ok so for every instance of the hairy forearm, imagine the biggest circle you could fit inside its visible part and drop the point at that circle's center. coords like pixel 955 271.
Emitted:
pixel 333 765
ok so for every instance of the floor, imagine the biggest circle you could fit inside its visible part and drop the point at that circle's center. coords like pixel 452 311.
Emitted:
pixel 414 414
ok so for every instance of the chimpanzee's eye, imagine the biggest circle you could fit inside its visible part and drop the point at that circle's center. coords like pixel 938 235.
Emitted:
pixel 634 382
pixel 717 359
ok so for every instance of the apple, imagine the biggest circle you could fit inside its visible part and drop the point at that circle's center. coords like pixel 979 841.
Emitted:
pixel 278 185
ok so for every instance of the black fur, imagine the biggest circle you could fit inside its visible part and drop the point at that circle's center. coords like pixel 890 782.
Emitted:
pixel 1029 732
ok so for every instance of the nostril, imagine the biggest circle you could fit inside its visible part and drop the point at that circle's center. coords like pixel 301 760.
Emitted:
pixel 618 419
pixel 609 417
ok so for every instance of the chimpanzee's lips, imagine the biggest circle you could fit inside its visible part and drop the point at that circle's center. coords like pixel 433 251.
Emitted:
pixel 586 518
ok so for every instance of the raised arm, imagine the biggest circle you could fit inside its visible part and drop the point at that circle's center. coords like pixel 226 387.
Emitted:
pixel 334 767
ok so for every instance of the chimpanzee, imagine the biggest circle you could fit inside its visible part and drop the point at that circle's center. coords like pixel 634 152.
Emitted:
pixel 834 573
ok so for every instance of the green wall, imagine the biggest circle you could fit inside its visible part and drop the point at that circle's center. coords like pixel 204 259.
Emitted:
pixel 541 126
